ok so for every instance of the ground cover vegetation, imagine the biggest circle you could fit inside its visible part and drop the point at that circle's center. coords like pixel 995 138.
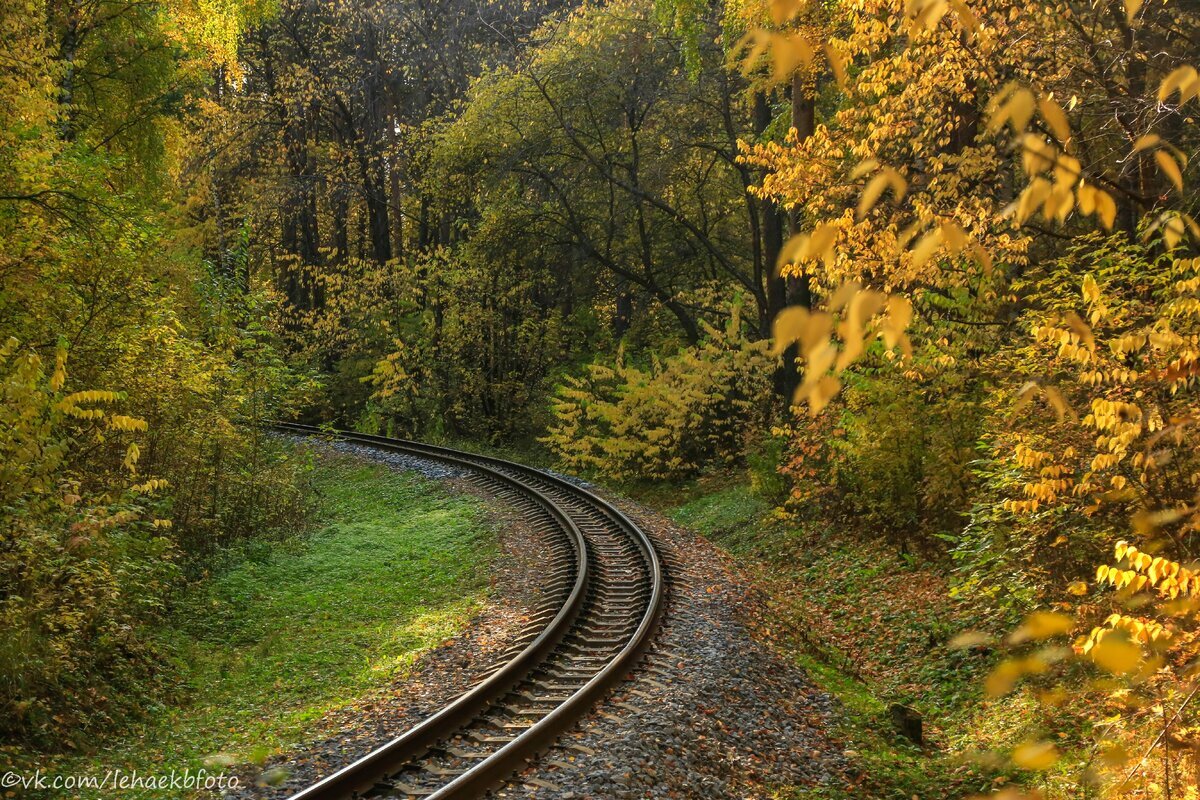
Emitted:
pixel 289 632
pixel 926 270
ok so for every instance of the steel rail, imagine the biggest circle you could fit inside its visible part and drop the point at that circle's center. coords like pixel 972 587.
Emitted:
pixel 374 768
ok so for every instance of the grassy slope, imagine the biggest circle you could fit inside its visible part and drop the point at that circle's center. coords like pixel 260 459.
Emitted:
pixel 871 627
pixel 293 631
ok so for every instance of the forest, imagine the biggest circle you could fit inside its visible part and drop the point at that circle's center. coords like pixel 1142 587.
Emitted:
pixel 896 302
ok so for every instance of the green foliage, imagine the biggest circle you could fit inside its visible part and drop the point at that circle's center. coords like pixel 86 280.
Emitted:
pixel 474 350
pixel 763 459
pixel 123 471
pixel 892 457
pixel 83 562
pixel 686 413
pixel 1062 472
pixel 291 608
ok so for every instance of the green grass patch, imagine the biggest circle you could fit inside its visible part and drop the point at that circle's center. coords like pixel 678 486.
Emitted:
pixel 286 633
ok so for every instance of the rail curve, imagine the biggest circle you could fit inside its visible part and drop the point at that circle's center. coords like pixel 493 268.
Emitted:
pixel 588 637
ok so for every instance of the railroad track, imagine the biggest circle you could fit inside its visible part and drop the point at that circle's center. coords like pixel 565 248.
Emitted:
pixel 606 599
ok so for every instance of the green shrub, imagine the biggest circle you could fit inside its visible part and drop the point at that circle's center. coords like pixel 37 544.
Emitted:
pixel 83 562
pixel 105 515
pixel 894 457
pixel 671 419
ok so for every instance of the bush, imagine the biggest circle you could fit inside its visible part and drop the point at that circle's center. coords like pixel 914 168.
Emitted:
pixel 688 412
pixel 83 561
pixel 893 456
pixel 103 513
pixel 1101 432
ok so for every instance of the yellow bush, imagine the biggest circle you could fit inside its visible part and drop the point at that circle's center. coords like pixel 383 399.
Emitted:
pixel 668 420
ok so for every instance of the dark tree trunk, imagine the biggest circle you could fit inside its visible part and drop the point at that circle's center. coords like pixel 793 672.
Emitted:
pixel 375 196
pixel 300 239
pixel 804 120
pixel 772 232
pixel 372 138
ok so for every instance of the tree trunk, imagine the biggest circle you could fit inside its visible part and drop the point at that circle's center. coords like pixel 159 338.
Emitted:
pixel 623 314
pixel 804 120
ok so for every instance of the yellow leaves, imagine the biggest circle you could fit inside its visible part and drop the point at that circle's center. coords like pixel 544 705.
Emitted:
pixel 1131 9
pixel 1106 208
pixel 1184 80
pixel 1081 330
pixel 812 332
pixel 8 348
pixel 783 10
pixel 1091 289
pixel 1147 523
pixel 120 422
pixel 1054 399
pixel 1166 162
pixel 1039 756
pixel 885 178
pixel 1013 105
pixel 1032 198
pixel 1058 203
pixel 1112 754
pixel 837 63
pixel 899 315
pixel 1170 578
pixel 1003 679
pixel 810 246
pixel 1038 626
pixel 1116 654
pixel 921 16
pixel 924 249
pixel 1146 141
pixel 1077 588
pixel 1170 159
pixel 59 377
pixel 797 324
pixel 1027 457
pixel 788 52
pixel 1042 625
pixel 1056 118
pixel 966 18
pixel 1174 225
pixel 89 396
pixel 1037 154
pixel 132 453
pixel 861 307
pixel 818 393
pixel 969 639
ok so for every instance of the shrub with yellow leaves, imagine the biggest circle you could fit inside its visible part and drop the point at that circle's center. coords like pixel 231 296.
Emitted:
pixel 1000 165
pixel 670 420
pixel 83 559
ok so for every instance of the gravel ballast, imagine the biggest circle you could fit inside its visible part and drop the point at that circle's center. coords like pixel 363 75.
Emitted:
pixel 713 711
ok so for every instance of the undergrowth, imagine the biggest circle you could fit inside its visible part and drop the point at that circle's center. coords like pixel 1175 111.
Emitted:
pixel 871 627
pixel 286 633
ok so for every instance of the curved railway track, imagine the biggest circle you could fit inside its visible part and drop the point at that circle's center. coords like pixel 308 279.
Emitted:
pixel 608 594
